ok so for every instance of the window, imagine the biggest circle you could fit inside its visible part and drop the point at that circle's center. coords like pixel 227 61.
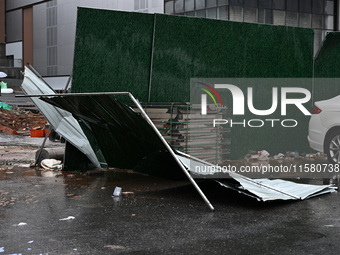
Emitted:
pixel 200 14
pixel 189 5
pixel 317 21
pixel 212 13
pixel 142 4
pixel 278 17
pixel 317 14
pixel 268 16
pixel 223 12
pixel 250 15
pixel 305 6
pixel 169 7
pixel 266 4
pixel 265 16
pixel 200 4
pixel 329 22
pixel 211 3
pixel 250 3
pixel 236 13
pixel 236 2
pixel 179 5
pixel 51 36
pixel 305 20
pixel 279 4
pixel 292 5
pixel 222 2
pixel 51 16
pixel 318 6
pixel 52 56
pixel 329 8
pixel 292 19
pixel 136 4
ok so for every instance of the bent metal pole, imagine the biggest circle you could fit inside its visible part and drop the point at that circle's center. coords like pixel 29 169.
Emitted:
pixel 171 152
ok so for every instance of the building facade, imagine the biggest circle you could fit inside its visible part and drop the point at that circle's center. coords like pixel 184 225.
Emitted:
pixel 55 26
pixel 320 15
pixel 42 32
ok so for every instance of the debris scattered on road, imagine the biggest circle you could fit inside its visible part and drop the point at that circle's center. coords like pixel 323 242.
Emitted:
pixel 22 224
pixel 114 247
pixel 51 164
pixel 21 121
pixel 117 192
pixel 289 155
pixel 24 165
pixel 68 218
pixel 128 193
pixel 257 155
pixel 5 106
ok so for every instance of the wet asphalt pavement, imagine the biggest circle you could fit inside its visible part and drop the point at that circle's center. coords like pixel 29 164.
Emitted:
pixel 43 212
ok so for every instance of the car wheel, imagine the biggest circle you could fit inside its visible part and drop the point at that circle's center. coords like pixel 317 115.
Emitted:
pixel 332 147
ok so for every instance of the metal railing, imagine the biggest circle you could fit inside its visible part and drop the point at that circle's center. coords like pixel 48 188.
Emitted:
pixel 185 130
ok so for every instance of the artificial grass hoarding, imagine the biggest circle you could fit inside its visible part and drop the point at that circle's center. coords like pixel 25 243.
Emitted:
pixel 326 68
pixel 154 56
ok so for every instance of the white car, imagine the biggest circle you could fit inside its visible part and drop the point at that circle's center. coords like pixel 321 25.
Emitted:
pixel 324 128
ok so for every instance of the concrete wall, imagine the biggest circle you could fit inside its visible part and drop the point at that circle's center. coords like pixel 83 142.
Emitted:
pixel 2 21
pixel 15 49
pixel 17 4
pixel 59 60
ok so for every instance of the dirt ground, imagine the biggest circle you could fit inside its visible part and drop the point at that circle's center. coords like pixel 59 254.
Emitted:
pixel 17 155
pixel 20 150
pixel 20 121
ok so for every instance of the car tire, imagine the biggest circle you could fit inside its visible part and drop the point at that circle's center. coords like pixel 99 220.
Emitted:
pixel 332 147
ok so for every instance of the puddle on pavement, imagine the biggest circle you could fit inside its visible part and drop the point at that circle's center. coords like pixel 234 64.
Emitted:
pixel 79 186
pixel 67 197
pixel 110 178
pixel 130 181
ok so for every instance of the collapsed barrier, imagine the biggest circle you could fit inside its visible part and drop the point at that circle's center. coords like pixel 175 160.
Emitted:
pixel 122 132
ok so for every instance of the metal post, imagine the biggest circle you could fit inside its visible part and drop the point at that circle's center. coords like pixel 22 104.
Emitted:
pixel 39 76
pixel 43 145
pixel 172 152
pixel 68 83
pixel 151 60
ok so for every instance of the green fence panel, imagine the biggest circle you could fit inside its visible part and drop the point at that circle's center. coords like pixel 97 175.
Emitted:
pixel 117 51
pixel 327 62
pixel 187 48
pixel 112 52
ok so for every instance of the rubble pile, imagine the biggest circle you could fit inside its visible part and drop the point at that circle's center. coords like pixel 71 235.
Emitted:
pixel 20 121
pixel 289 155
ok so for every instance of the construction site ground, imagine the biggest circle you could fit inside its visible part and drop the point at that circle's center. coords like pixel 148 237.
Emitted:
pixel 23 117
pixel 17 147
